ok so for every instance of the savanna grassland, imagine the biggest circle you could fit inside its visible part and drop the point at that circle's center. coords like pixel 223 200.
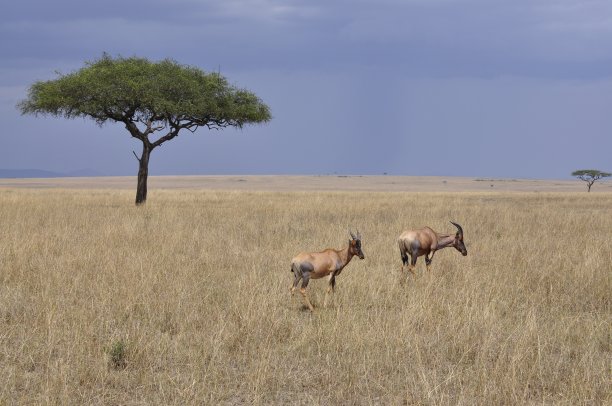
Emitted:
pixel 186 300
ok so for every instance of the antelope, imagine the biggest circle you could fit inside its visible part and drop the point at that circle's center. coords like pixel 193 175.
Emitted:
pixel 426 242
pixel 329 262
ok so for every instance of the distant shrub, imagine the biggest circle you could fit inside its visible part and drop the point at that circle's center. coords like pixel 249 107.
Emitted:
pixel 118 354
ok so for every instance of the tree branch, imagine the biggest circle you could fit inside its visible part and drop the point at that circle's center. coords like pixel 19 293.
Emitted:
pixel 165 138
pixel 150 129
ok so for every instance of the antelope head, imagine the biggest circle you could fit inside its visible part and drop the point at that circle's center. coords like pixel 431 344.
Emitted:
pixel 355 244
pixel 458 243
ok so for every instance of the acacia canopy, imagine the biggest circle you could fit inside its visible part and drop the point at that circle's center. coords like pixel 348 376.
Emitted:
pixel 590 176
pixel 149 98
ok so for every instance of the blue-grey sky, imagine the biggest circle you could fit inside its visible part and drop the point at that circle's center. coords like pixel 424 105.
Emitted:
pixel 484 88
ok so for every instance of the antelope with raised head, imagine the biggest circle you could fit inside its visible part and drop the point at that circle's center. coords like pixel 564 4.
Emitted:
pixel 426 242
pixel 329 262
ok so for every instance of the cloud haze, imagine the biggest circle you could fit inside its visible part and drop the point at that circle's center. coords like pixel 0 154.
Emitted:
pixel 494 88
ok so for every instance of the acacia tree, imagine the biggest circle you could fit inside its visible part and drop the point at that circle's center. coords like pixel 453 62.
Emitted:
pixel 590 176
pixel 154 100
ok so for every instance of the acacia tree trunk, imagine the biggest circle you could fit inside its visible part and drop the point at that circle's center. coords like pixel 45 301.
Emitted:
pixel 143 173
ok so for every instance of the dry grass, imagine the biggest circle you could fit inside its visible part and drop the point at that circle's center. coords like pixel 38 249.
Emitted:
pixel 186 301
pixel 366 183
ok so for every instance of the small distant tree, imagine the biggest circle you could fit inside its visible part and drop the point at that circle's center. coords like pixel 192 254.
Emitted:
pixel 590 176
pixel 148 98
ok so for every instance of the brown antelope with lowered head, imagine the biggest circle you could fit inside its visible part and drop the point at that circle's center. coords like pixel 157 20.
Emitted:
pixel 329 262
pixel 426 242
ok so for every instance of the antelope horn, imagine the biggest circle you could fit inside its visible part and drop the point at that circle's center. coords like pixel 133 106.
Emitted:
pixel 353 235
pixel 358 235
pixel 458 227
